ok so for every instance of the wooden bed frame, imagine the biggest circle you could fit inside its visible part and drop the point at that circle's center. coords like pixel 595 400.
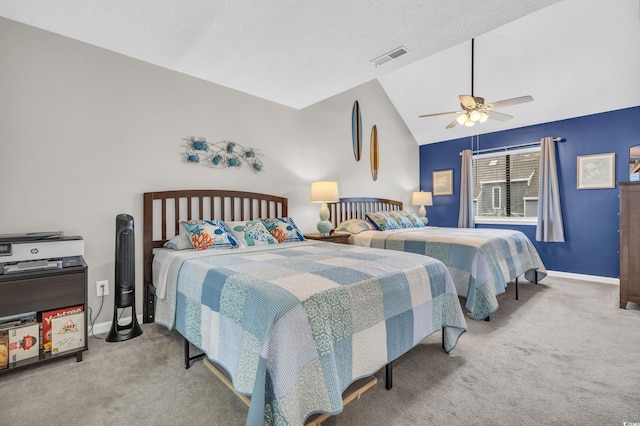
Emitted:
pixel 356 207
pixel 163 211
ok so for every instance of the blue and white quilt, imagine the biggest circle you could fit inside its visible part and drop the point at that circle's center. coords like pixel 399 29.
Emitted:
pixel 481 261
pixel 295 324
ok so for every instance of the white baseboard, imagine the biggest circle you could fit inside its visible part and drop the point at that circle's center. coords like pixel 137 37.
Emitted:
pixel 104 327
pixel 596 278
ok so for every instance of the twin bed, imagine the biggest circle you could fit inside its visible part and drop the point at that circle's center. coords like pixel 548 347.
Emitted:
pixel 293 324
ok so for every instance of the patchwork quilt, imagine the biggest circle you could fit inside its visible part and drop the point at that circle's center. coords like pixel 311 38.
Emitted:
pixel 481 261
pixel 295 324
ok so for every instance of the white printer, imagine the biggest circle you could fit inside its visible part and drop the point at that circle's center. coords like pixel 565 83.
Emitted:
pixel 38 251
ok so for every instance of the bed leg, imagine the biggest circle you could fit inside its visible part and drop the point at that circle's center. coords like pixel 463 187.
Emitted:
pixel 186 354
pixel 516 288
pixel 149 310
pixel 187 357
pixel 388 376
pixel 488 318
pixel 536 277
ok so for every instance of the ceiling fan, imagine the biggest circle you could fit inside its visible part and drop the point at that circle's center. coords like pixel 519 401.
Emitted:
pixel 474 110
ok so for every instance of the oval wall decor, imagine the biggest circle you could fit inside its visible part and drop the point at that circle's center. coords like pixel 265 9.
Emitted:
pixel 356 130
pixel 375 155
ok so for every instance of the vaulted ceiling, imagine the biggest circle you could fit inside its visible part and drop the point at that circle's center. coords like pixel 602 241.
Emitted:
pixel 575 57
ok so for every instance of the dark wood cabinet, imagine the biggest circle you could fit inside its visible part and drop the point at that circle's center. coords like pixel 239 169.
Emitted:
pixel 336 237
pixel 46 290
pixel 629 243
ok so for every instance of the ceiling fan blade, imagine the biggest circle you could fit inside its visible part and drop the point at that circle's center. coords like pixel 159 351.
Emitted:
pixel 454 123
pixel 498 116
pixel 467 101
pixel 509 102
pixel 440 113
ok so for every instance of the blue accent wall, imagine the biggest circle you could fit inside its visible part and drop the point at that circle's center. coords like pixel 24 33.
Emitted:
pixel 591 216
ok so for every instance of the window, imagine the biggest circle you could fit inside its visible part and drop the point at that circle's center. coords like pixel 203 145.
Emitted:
pixel 496 197
pixel 505 186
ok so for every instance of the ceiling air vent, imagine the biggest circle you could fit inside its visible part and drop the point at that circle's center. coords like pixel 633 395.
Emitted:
pixel 395 53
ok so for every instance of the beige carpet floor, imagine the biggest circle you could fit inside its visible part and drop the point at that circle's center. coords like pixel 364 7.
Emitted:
pixel 564 354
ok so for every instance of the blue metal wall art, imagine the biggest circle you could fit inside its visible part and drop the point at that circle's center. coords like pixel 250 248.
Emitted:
pixel 221 155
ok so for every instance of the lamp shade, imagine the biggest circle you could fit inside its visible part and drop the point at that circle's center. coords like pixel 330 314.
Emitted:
pixel 324 192
pixel 421 199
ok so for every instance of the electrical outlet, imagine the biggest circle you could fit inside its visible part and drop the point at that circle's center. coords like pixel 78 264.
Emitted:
pixel 102 287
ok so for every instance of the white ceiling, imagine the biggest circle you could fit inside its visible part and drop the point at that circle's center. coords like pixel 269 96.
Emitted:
pixel 575 57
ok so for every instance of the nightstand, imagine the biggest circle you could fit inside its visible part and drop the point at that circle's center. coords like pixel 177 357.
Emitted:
pixel 336 237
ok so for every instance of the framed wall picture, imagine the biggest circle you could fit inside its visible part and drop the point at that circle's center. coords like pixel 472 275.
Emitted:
pixel 634 163
pixel 597 171
pixel 443 182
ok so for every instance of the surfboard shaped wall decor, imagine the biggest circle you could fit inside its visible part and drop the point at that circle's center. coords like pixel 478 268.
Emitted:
pixel 375 155
pixel 356 130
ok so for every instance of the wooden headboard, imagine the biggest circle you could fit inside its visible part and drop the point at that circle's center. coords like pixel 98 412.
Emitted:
pixel 356 207
pixel 163 211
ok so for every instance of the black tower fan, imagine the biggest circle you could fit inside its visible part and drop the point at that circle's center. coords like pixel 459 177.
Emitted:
pixel 125 287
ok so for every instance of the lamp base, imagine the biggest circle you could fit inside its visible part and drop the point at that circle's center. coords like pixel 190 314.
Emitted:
pixel 324 227
pixel 422 214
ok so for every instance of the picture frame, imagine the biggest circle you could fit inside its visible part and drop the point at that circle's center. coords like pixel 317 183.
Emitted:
pixel 443 182
pixel 596 171
pixel 634 163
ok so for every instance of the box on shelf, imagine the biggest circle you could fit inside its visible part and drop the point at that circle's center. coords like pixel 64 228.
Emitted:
pixel 16 320
pixel 67 332
pixel 23 342
pixel 48 316
pixel 4 348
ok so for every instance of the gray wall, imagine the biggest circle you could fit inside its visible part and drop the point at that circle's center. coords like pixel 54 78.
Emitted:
pixel 84 132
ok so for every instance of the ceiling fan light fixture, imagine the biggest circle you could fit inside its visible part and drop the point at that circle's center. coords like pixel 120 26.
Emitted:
pixel 462 118
pixel 483 117
pixel 469 122
pixel 475 115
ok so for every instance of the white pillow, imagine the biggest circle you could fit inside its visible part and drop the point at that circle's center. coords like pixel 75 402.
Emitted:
pixel 179 242
pixel 354 226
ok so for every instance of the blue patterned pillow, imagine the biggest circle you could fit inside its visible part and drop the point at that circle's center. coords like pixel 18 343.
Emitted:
pixel 251 233
pixel 382 221
pixel 283 229
pixel 402 220
pixel 413 217
pixel 206 234
pixel 354 226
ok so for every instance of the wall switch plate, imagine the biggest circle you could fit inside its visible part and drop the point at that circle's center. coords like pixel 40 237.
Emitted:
pixel 102 288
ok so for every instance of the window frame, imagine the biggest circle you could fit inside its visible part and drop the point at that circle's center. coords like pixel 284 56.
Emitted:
pixel 502 220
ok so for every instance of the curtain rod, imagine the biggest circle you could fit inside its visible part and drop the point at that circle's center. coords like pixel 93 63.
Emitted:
pixel 512 146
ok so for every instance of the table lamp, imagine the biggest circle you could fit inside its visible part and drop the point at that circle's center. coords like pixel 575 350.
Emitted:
pixel 324 192
pixel 422 199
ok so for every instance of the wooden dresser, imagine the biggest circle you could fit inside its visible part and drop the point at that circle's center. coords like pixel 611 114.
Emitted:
pixel 629 243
